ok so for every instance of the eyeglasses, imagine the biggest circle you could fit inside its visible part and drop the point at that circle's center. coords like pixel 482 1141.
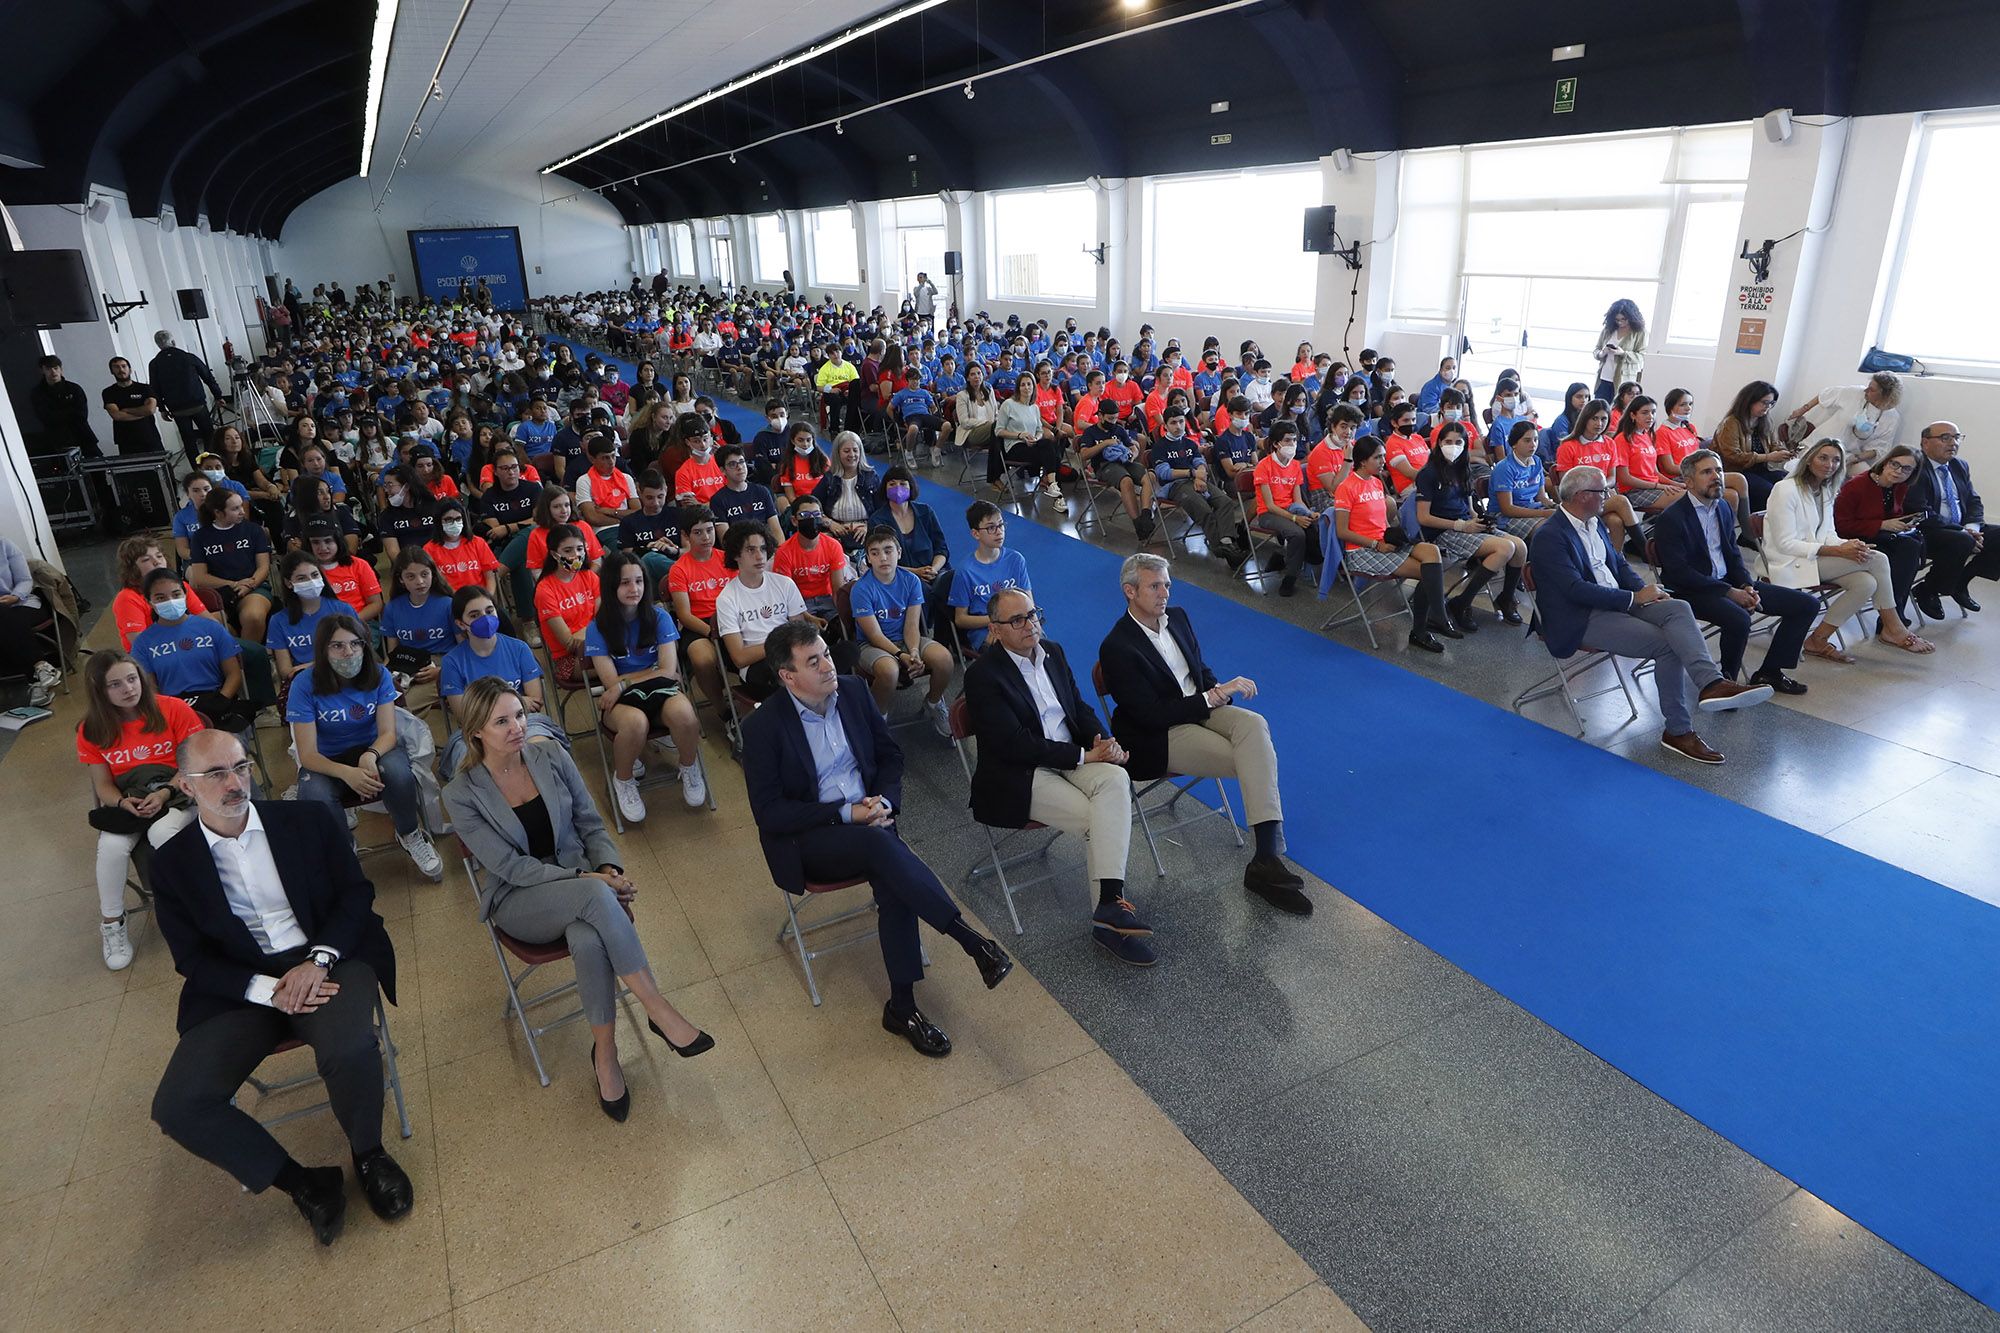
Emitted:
pixel 995 526
pixel 1588 490
pixel 1023 620
pixel 1898 469
pixel 240 769
pixel 1948 436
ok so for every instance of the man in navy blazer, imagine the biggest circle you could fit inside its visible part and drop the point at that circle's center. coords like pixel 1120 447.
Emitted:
pixel 825 780
pixel 1695 538
pixel 1587 597
pixel 1960 542
pixel 272 925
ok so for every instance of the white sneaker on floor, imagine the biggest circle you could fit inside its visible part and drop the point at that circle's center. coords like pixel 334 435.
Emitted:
pixel 1052 492
pixel 40 695
pixel 694 787
pixel 941 718
pixel 353 818
pixel 630 803
pixel 46 674
pixel 117 944
pixel 418 845
pixel 638 769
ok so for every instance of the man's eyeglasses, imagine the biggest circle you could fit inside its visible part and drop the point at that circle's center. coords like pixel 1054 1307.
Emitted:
pixel 240 769
pixel 1588 490
pixel 1948 436
pixel 1022 621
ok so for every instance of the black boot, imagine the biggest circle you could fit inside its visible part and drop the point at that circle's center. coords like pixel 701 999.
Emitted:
pixel 1505 603
pixel 1420 605
pixel 1461 605
pixel 1430 591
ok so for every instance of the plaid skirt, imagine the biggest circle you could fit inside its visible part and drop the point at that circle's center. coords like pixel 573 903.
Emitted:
pixel 1373 564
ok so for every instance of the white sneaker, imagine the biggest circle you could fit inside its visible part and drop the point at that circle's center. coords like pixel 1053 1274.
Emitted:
pixel 117 944
pixel 353 818
pixel 638 769
pixel 630 803
pixel 694 787
pixel 46 674
pixel 40 695
pixel 418 845
pixel 941 718
pixel 1052 492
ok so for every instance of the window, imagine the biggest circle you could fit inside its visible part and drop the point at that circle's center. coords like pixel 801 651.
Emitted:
pixel 830 237
pixel 1946 276
pixel 1039 241
pixel 772 253
pixel 725 262
pixel 919 238
pixel 1196 223
pixel 683 238
pixel 1547 234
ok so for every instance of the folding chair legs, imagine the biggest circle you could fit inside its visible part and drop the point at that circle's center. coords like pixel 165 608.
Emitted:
pixel 392 1081
pixel 796 932
pixel 1180 789
pixel 1558 683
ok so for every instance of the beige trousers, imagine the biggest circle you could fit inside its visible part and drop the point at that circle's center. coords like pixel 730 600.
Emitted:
pixel 1093 801
pixel 1233 743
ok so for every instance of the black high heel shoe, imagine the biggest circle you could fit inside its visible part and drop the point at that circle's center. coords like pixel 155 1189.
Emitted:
pixel 617 1110
pixel 702 1042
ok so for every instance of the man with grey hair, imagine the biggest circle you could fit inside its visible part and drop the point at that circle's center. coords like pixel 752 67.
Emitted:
pixel 1173 716
pixel 1695 541
pixel 1956 534
pixel 177 378
pixel 1585 594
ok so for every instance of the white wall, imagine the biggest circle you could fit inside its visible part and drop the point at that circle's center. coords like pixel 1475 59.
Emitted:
pixel 578 244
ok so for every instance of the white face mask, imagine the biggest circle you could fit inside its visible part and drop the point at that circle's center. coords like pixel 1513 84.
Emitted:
pixel 1285 452
pixel 452 527
pixel 1679 418
pixel 1451 414
pixel 803 448
pixel 171 610
pixel 1508 404
pixel 309 589
pixel 1239 423
pixel 778 422
pixel 1451 451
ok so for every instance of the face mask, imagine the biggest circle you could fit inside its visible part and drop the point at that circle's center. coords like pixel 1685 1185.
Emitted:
pixel 172 609
pixel 1863 426
pixel 1263 379
pixel 1679 418
pixel 484 627
pixel 1285 452
pixel 899 494
pixel 777 422
pixel 1239 423
pixel 1507 404
pixel 1452 414
pixel 1451 451
pixel 1299 411
pixel 1175 430
pixel 803 449
pixel 452 526
pixel 347 668
pixel 809 526
pixel 1120 376
pixel 309 589
pixel 569 562
pixel 214 474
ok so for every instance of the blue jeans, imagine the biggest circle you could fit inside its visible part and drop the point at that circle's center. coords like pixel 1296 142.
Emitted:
pixel 399 786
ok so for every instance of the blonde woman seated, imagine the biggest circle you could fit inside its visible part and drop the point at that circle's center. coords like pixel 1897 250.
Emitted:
pixel 1803 547
pixel 553 872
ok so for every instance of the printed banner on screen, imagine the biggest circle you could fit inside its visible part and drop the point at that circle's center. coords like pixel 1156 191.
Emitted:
pixel 470 255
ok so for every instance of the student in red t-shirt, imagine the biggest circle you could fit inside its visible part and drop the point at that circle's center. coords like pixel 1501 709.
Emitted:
pixel 348 576
pixel 1406 451
pixel 693 584
pixel 1327 465
pixel 557 507
pixel 128 739
pixel 1281 506
pixel 1638 472
pixel 811 557
pixel 604 494
pixel 463 559
pixel 1362 513
pixel 565 602
pixel 1590 444
pixel 1676 438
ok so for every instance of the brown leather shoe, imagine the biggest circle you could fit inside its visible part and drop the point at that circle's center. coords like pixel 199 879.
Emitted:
pixel 1723 693
pixel 1691 746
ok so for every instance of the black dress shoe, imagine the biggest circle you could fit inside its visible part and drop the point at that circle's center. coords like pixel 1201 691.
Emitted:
pixel 617 1110
pixel 1929 603
pixel 384 1184
pixel 1446 629
pixel 1461 616
pixel 1284 897
pixel 322 1201
pixel 1272 870
pixel 920 1032
pixel 994 964
pixel 702 1042
pixel 1778 681
pixel 1964 599
pixel 1509 612
pixel 1425 640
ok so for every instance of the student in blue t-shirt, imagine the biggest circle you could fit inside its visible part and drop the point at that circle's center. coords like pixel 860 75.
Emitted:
pixel 192 657
pixel 631 647
pixel 917 410
pixel 485 650
pixel 1235 448
pixel 416 624
pixel 1519 483
pixel 990 568
pixel 887 604
pixel 946 382
pixel 293 627
pixel 343 717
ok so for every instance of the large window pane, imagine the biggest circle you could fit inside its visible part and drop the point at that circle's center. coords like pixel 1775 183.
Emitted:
pixel 1195 221
pixel 773 255
pixel 830 232
pixel 1948 276
pixel 683 236
pixel 1424 284
pixel 1706 269
pixel 1545 328
pixel 1591 242
pixel 1038 242
pixel 1570 169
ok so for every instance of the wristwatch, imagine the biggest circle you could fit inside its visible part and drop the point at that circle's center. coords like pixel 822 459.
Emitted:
pixel 322 958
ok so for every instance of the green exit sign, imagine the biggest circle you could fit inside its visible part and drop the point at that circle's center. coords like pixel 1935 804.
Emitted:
pixel 1565 95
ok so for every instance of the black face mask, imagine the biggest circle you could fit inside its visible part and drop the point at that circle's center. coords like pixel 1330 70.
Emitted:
pixel 809 526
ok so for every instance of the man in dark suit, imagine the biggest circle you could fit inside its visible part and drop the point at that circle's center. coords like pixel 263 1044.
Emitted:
pixel 1695 538
pixel 1956 535
pixel 1173 716
pixel 825 781
pixel 1044 758
pixel 1585 594
pixel 272 925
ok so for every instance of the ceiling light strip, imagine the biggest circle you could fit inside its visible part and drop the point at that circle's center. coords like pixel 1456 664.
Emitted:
pixel 378 73
pixel 423 103
pixel 778 66
pixel 958 82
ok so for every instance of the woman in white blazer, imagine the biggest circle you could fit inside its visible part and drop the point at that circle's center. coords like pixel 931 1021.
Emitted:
pixel 1802 549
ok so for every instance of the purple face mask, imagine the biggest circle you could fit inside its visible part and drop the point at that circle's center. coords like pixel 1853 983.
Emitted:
pixel 898 493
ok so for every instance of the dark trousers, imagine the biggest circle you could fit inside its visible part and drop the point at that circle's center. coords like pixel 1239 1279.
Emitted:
pixel 1796 611
pixel 19 648
pixel 1038 456
pixel 197 427
pixel 226 713
pixel 1953 564
pixel 1761 477
pixel 1906 556
pixel 906 890
pixel 215 1057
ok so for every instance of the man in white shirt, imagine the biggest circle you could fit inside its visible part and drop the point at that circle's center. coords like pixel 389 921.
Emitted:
pixel 1044 758
pixel 272 924
pixel 1174 717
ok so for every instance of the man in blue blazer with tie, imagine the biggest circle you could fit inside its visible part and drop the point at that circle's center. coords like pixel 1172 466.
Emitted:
pixel 273 929
pixel 825 780
pixel 1587 596
pixel 1695 538
pixel 1962 545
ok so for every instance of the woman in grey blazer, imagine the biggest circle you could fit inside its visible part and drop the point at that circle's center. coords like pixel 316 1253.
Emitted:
pixel 552 871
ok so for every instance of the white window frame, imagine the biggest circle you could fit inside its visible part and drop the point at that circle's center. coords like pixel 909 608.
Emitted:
pixel 763 271
pixel 679 234
pixel 995 287
pixel 1302 318
pixel 812 246
pixel 1927 125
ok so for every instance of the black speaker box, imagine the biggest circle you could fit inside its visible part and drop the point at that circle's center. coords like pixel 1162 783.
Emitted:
pixel 194 303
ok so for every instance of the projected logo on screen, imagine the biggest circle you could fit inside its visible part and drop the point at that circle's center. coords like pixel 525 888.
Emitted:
pixel 446 258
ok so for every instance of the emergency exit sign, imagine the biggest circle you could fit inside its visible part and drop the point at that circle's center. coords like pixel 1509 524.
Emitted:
pixel 1565 95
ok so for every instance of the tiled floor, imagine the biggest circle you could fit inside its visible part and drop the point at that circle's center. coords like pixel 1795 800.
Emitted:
pixel 1295 1125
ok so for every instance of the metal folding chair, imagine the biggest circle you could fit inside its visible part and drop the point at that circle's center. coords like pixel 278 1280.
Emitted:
pixel 994 863
pixel 1252 568
pixel 392 1078
pixel 796 930
pixel 1570 668
pixel 1180 784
